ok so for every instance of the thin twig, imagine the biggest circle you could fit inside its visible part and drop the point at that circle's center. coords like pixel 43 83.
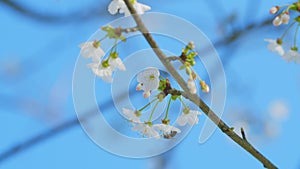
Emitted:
pixel 192 97
pixel 243 134
pixel 172 58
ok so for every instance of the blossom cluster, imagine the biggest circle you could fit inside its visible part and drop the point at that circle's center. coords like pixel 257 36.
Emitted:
pixel 104 68
pixel 148 81
pixel 283 16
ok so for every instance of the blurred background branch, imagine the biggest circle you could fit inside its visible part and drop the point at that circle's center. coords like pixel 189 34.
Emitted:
pixel 94 11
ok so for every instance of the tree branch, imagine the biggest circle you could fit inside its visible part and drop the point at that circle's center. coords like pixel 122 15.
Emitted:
pixel 192 97
pixel 51 17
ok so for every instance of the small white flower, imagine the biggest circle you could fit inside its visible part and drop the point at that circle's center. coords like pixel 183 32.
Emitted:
pixel 92 50
pixel 192 86
pixel 277 21
pixel 119 6
pixel 292 55
pixel 146 130
pixel 166 129
pixel 274 9
pixel 104 73
pixel 190 117
pixel 285 18
pixel 297 60
pixel 148 81
pixel 275 47
pixel 115 6
pixel 131 115
pixel 116 63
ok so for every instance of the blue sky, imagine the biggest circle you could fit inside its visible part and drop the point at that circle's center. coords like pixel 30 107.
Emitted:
pixel 37 61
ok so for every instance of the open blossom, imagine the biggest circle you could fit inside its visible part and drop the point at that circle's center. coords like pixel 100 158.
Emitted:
pixel 146 130
pixel 274 46
pixel 99 70
pixel 92 50
pixel 292 55
pixel 148 81
pixel 119 6
pixel 192 86
pixel 133 116
pixel 115 6
pixel 188 116
pixel 166 129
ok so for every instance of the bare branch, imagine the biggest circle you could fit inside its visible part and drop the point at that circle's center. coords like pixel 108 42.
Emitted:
pixel 194 98
pixel 51 18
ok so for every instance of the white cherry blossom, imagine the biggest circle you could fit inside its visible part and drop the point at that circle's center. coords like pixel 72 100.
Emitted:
pixel 148 81
pixel 146 130
pixel 190 117
pixel 119 6
pixel 274 9
pixel 115 6
pixel 99 70
pixel 292 55
pixel 92 50
pixel 131 115
pixel 275 47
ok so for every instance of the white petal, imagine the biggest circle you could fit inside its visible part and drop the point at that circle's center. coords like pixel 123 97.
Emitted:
pixel 149 78
pixel 141 8
pixel 117 63
pixel 181 121
pixel 285 18
pixel 104 73
pixel 275 47
pixel 130 115
pixel 115 5
pixel 139 87
pixel 166 128
pixel 277 21
pixel 147 94
pixel 89 51
pixel 146 130
pixel 144 76
pixel 192 120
